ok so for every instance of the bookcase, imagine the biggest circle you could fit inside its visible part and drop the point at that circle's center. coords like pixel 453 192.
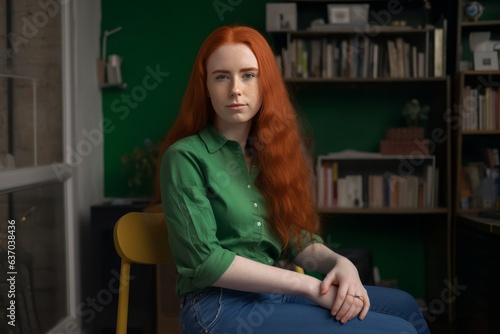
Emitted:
pixel 313 50
pixel 478 113
pixel 400 52
pixel 476 125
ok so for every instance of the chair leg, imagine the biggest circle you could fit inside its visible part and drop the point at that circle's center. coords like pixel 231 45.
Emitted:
pixel 122 314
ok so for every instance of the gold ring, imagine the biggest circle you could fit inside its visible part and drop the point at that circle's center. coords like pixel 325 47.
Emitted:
pixel 359 297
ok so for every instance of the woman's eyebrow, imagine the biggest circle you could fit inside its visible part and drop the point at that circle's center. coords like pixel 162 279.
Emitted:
pixel 246 69
pixel 249 69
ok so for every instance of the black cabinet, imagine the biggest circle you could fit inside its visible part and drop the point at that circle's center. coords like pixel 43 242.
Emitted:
pixel 478 277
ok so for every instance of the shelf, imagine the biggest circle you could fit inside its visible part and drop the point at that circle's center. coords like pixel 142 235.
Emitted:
pixel 481 223
pixel 478 73
pixel 467 211
pixel 480 132
pixel 481 24
pixel 383 211
pixel 363 80
pixel 369 30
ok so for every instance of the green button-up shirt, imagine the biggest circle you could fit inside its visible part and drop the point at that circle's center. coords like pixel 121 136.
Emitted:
pixel 213 210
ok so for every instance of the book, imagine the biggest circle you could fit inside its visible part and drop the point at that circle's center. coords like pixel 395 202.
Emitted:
pixel 474 172
pixel 414 62
pixel 315 70
pixel 376 62
pixel 400 57
pixel 354 191
pixel 466 109
pixel 335 177
pixel 392 59
pixel 429 191
pixel 376 189
pixel 438 52
pixel 421 65
pixel 407 60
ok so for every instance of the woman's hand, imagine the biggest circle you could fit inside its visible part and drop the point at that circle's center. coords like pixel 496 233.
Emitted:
pixel 350 297
pixel 341 290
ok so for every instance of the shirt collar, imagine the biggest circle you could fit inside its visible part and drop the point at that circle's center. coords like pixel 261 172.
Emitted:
pixel 212 138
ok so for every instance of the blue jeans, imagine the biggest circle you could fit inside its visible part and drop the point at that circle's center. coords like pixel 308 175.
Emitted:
pixel 224 311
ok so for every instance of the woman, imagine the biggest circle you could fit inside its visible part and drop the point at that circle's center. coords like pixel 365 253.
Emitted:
pixel 236 188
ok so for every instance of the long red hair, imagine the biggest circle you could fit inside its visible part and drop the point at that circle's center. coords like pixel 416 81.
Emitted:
pixel 285 169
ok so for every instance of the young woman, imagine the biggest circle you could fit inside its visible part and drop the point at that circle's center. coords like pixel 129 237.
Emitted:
pixel 237 192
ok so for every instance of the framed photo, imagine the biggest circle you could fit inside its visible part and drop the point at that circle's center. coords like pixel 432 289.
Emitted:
pixel 344 14
pixel 281 16
pixel 339 14
pixel 485 61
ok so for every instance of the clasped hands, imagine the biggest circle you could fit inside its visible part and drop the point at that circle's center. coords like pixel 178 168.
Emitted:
pixel 342 291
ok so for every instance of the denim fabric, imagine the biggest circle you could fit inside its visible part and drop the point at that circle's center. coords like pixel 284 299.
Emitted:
pixel 224 311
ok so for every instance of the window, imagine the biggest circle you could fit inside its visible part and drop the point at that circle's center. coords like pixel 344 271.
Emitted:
pixel 33 212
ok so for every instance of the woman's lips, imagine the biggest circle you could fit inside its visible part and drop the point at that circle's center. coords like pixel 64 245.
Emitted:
pixel 236 106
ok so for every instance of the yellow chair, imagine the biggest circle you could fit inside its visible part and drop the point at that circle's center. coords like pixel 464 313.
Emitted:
pixel 139 237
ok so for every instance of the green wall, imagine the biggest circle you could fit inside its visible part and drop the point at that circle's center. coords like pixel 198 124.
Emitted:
pixel 163 34
pixel 167 34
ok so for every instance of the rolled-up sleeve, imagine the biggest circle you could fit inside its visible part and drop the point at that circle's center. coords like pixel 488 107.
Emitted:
pixel 192 227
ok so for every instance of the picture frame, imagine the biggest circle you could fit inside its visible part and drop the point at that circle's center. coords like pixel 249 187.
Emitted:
pixel 348 14
pixel 281 16
pixel 485 61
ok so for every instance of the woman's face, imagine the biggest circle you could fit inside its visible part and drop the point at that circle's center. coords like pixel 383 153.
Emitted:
pixel 233 85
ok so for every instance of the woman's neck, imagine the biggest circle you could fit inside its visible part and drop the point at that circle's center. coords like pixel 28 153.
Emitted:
pixel 236 132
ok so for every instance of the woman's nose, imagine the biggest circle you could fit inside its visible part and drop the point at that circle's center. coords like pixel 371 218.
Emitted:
pixel 235 88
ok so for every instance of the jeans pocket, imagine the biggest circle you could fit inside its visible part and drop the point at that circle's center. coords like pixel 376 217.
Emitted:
pixel 201 313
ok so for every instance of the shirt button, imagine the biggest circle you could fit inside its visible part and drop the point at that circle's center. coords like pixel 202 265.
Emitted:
pixel 270 261
pixel 254 205
pixel 249 186
pixel 259 224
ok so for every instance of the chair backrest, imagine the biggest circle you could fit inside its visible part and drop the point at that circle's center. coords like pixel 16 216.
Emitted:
pixel 139 237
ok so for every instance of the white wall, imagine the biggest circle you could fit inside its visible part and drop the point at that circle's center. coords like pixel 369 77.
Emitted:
pixel 83 146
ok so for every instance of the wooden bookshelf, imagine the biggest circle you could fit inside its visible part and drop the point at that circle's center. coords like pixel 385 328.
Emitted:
pixel 478 98
pixel 476 137
pixel 420 35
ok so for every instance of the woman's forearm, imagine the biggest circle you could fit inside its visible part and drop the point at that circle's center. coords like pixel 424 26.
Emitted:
pixel 247 275
pixel 317 257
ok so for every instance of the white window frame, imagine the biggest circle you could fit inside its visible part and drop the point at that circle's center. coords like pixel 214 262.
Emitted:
pixel 30 177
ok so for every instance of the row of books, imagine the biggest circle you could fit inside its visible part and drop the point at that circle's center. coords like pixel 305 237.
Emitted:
pixel 360 57
pixel 480 182
pixel 386 190
pixel 481 108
